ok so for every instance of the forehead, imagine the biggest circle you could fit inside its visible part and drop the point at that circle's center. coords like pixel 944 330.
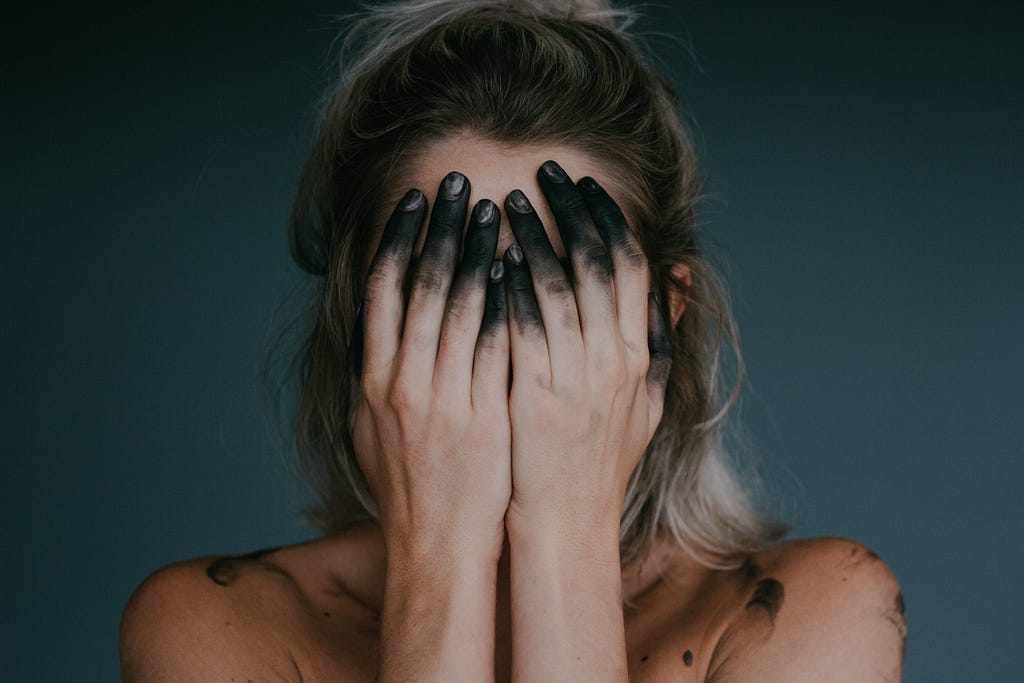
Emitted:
pixel 494 170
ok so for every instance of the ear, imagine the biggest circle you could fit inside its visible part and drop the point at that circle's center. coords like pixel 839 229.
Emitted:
pixel 676 301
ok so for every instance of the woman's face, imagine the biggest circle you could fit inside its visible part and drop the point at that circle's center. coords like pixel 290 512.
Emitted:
pixel 493 172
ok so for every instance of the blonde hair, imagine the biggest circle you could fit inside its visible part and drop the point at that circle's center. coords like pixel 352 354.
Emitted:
pixel 520 72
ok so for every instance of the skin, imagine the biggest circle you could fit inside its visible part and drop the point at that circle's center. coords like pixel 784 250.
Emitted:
pixel 498 422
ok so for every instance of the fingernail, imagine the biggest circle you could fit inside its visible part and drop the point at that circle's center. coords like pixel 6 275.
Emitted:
pixel 519 202
pixel 515 254
pixel 497 270
pixel 554 171
pixel 452 185
pixel 484 211
pixel 587 183
pixel 411 200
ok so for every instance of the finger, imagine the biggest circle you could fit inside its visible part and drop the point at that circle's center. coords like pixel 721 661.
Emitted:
pixel 632 275
pixel 528 343
pixel 590 263
pixel 432 277
pixel 466 301
pixel 662 349
pixel 383 298
pixel 552 290
pixel 491 362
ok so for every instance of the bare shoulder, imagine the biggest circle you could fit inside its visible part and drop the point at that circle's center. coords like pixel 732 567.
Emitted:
pixel 817 609
pixel 269 614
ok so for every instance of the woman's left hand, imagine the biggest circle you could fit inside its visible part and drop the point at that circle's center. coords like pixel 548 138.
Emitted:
pixel 590 359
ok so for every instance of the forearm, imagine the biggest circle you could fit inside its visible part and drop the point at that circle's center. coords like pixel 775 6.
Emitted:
pixel 437 620
pixel 567 622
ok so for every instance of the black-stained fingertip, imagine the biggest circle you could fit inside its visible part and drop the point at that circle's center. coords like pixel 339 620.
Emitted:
pixel 553 171
pixel 497 270
pixel 518 201
pixel 514 254
pixel 589 184
pixel 451 186
pixel 485 211
pixel 412 200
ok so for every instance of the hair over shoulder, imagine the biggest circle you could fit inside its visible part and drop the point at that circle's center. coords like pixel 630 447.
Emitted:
pixel 567 72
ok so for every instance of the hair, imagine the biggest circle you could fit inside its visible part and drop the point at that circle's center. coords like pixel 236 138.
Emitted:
pixel 517 72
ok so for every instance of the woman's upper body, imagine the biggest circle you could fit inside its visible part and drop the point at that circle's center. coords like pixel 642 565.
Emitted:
pixel 824 609
pixel 530 408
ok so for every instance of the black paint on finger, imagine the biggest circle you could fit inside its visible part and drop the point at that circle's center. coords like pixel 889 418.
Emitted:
pixel 583 242
pixel 546 268
pixel 610 221
pixel 519 285
pixel 441 247
pixel 495 317
pixel 479 245
pixel 659 342
pixel 402 227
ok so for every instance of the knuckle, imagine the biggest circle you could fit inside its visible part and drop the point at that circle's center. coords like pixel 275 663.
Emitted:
pixel 402 397
pixel 430 280
pixel 378 281
pixel 635 256
pixel 593 257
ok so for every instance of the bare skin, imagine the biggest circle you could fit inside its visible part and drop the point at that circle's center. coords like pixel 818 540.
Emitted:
pixel 314 608
pixel 499 503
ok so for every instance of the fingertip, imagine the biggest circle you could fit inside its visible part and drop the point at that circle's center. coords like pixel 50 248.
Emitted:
pixel 497 271
pixel 517 201
pixel 412 200
pixel 513 254
pixel 485 212
pixel 453 185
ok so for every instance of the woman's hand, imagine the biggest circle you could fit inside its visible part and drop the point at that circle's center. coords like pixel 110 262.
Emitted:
pixel 430 425
pixel 590 359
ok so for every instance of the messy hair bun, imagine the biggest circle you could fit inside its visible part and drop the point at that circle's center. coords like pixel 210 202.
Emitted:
pixel 564 72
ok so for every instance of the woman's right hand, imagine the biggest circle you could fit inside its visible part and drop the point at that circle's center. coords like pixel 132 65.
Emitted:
pixel 430 424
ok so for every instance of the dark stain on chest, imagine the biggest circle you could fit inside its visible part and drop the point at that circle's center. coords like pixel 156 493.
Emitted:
pixel 688 658
pixel 768 596
pixel 749 569
pixel 224 570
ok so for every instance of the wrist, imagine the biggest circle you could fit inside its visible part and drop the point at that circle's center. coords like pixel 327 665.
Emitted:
pixel 541 525
pixel 444 548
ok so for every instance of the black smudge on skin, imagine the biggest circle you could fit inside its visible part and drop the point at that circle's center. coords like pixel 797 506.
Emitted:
pixel 644 658
pixel 898 618
pixel 688 658
pixel 224 570
pixel 855 557
pixel 749 569
pixel 768 596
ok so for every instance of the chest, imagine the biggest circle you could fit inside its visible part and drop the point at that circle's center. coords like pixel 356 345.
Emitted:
pixel 665 641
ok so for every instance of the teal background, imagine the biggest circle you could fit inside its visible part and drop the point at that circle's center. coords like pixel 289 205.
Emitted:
pixel 864 172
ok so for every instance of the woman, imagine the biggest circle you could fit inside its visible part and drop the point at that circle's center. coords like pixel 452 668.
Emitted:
pixel 514 426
